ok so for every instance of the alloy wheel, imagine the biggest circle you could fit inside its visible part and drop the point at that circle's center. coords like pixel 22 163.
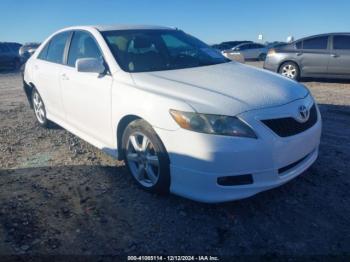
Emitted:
pixel 142 159
pixel 39 108
pixel 289 70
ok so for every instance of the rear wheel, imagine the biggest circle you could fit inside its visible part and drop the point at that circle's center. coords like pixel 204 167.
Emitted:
pixel 39 109
pixel 146 157
pixel 290 70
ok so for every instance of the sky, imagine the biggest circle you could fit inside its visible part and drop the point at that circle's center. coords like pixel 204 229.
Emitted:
pixel 212 21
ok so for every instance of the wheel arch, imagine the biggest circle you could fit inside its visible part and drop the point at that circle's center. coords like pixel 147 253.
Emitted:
pixel 28 89
pixel 123 123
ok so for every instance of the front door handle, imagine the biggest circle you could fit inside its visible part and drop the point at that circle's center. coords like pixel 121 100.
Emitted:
pixel 334 55
pixel 299 53
pixel 64 77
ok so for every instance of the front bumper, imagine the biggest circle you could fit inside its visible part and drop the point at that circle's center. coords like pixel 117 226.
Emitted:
pixel 198 160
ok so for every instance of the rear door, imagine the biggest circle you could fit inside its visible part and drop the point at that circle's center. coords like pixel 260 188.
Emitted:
pixel 246 51
pixel 339 63
pixel 314 56
pixel 46 71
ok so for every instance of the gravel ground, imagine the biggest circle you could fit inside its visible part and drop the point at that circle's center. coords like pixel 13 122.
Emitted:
pixel 59 195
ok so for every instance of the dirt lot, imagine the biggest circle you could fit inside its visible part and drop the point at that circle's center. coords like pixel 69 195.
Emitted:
pixel 59 195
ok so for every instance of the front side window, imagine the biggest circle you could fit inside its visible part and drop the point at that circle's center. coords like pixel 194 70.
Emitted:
pixel 244 47
pixel 341 42
pixel 82 46
pixel 155 50
pixel 316 43
pixel 299 45
pixel 56 48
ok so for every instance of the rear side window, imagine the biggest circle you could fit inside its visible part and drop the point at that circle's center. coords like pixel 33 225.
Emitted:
pixel 43 53
pixel 341 42
pixel 83 45
pixel 316 43
pixel 56 48
pixel 299 45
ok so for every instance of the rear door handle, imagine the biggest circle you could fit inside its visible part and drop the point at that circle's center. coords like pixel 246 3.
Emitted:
pixel 64 77
pixel 334 55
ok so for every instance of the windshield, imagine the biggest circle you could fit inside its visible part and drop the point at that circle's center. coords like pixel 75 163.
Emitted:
pixel 155 50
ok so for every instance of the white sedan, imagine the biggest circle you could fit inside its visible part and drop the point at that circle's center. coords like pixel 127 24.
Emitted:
pixel 184 118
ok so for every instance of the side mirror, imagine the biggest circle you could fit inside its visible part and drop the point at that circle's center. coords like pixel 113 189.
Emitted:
pixel 90 65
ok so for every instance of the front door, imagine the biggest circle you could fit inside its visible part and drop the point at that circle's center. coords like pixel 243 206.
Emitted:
pixel 314 56
pixel 87 96
pixel 339 63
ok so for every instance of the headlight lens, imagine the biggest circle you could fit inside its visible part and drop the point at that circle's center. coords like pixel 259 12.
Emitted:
pixel 212 124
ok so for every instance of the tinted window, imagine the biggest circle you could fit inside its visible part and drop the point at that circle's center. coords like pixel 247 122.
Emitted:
pixel 43 53
pixel 341 42
pixel 244 47
pixel 299 45
pixel 258 46
pixel 56 48
pixel 82 46
pixel 316 43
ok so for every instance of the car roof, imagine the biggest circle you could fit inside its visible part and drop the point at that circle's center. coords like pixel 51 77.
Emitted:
pixel 326 34
pixel 115 27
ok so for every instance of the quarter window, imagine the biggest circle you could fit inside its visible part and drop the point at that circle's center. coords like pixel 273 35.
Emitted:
pixel 341 42
pixel 316 43
pixel 56 48
pixel 82 46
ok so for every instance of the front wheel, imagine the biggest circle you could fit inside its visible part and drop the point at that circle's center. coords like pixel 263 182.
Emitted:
pixel 290 70
pixel 146 157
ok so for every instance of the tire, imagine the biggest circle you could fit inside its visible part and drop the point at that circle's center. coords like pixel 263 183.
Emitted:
pixel 39 109
pixel 262 57
pixel 148 163
pixel 290 70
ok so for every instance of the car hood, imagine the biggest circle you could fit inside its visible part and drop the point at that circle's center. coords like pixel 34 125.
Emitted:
pixel 227 89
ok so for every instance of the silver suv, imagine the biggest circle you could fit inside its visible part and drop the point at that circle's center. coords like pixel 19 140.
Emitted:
pixel 321 56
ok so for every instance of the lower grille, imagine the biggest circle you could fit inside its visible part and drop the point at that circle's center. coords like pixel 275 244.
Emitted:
pixel 288 126
pixel 235 180
pixel 292 165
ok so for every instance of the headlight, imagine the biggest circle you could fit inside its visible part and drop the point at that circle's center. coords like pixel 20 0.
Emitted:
pixel 212 124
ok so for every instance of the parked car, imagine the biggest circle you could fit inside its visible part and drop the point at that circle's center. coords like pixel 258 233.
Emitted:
pixel 321 56
pixel 229 44
pixel 184 118
pixel 250 51
pixel 275 44
pixel 8 58
pixel 27 50
pixel 14 46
